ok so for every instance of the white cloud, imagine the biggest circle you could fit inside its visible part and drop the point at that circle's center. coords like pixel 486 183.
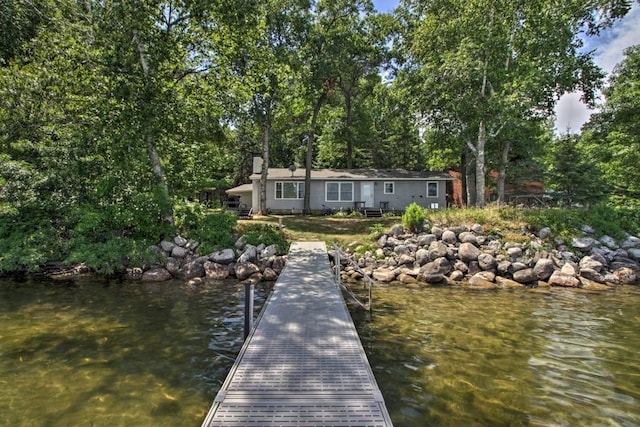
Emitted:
pixel 571 113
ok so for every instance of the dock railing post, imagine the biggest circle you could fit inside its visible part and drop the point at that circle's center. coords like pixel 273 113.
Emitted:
pixel 248 308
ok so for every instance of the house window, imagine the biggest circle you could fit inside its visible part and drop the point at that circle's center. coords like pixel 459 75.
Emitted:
pixel 339 192
pixel 389 188
pixel 432 189
pixel 289 190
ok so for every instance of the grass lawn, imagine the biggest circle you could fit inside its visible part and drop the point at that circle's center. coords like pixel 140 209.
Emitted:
pixel 329 229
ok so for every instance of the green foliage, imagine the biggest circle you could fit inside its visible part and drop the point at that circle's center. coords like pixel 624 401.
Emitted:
pixel 188 216
pixel 215 231
pixel 413 217
pixel 28 244
pixel 268 235
pixel 376 231
pixel 112 255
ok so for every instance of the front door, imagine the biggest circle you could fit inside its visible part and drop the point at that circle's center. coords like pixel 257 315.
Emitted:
pixel 366 194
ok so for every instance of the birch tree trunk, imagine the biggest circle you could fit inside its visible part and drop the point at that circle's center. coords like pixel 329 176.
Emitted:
pixel 502 173
pixel 309 157
pixel 266 134
pixel 480 161
pixel 150 137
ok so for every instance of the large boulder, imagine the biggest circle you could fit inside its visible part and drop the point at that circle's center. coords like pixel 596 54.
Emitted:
pixel 487 262
pixel 583 244
pixel 384 275
pixel 543 269
pixel 179 252
pixel 437 250
pixel 156 274
pixel 526 275
pixel 250 254
pixel 468 252
pixel 559 278
pixel 244 270
pixel 226 256
pixel 449 236
pixel 191 270
pixel 216 271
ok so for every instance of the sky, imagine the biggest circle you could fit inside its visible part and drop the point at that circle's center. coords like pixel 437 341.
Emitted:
pixel 571 113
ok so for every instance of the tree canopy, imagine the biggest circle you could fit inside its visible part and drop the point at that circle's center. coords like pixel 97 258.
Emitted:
pixel 114 115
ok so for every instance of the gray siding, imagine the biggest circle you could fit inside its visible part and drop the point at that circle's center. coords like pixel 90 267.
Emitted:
pixel 405 192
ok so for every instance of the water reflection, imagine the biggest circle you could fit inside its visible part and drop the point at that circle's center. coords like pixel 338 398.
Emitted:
pixel 124 354
pixel 450 357
pixel 129 354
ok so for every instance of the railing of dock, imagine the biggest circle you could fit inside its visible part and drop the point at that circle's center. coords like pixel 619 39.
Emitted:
pixel 338 256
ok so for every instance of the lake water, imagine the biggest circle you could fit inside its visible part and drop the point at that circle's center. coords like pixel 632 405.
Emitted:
pixel 89 352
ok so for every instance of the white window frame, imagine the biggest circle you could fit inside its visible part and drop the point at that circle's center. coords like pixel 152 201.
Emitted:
pixel 299 190
pixel 339 184
pixel 393 187
pixel 436 184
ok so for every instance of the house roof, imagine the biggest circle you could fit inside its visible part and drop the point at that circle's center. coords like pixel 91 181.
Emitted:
pixel 354 174
pixel 244 188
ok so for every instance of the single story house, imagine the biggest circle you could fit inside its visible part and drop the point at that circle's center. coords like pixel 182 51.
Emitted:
pixel 389 189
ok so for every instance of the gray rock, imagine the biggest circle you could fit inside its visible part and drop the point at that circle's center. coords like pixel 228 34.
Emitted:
pixel 625 276
pixel 437 250
pixel 634 253
pixel 167 246
pixel 461 267
pixel 468 237
pixel 438 266
pixel 630 242
pixel 544 232
pixel 468 252
pixel 505 268
pixel 384 275
pixel 476 228
pixel 401 249
pixel 591 263
pixel 559 278
pixel 583 244
pixel 226 256
pixel 587 229
pixel 477 281
pixel 592 275
pixel 396 230
pixel 426 239
pixel 242 240
pixel 191 270
pixel 244 270
pixel 487 262
pixel 508 284
pixel 173 265
pixel 494 245
pixel 514 252
pixel 405 259
pixel 269 251
pixel 437 231
pixel 179 252
pixel 180 241
pixel 543 269
pixel 456 276
pixel 215 271
pixel 609 242
pixel 250 254
pixel 525 276
pixel 156 274
pixel 448 236
pixel 422 256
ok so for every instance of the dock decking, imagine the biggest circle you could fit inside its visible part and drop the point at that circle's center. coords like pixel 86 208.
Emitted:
pixel 303 364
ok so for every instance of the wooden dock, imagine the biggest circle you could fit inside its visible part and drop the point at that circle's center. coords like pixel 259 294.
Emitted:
pixel 303 363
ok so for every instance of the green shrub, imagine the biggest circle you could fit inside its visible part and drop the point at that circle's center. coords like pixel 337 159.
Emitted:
pixel 413 217
pixel 216 231
pixel 268 235
pixel 376 231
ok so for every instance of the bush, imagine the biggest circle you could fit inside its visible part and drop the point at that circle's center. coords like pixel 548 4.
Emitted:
pixel 215 231
pixel 268 235
pixel 413 217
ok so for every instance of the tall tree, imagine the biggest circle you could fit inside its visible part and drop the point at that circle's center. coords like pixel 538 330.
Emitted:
pixel 613 135
pixel 476 65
